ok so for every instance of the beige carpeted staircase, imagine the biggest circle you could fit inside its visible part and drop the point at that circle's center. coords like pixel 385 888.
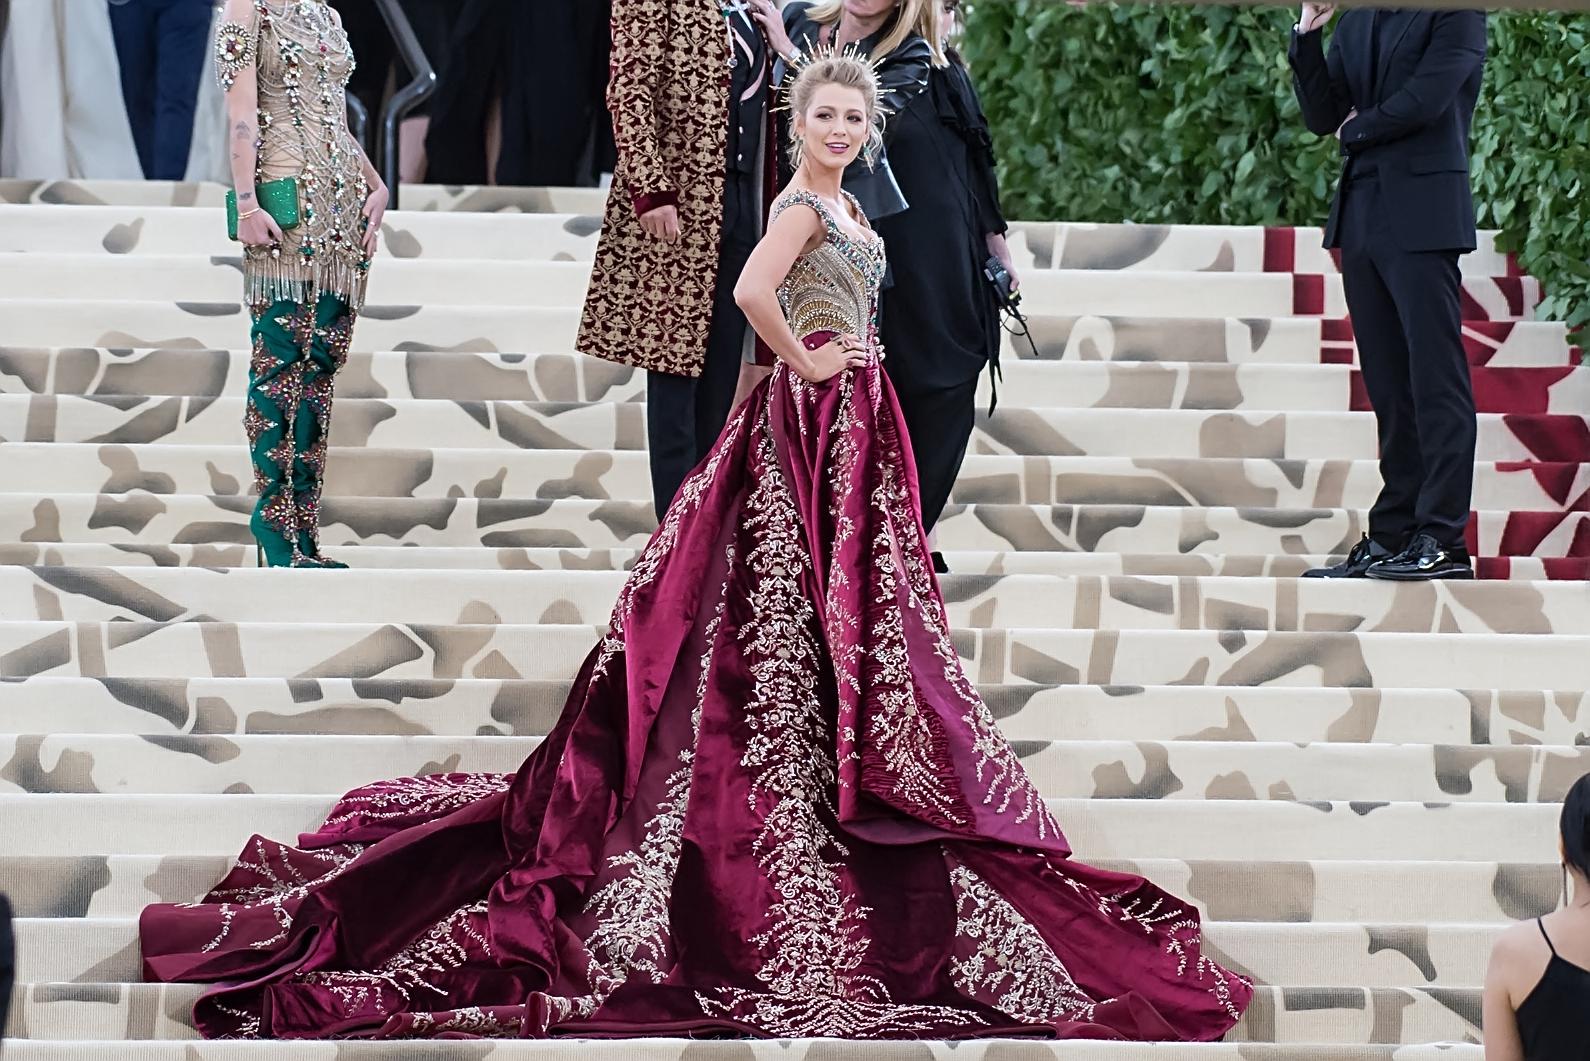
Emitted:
pixel 1354 781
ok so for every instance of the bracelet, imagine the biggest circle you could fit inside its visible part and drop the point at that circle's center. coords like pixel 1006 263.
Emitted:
pixel 251 213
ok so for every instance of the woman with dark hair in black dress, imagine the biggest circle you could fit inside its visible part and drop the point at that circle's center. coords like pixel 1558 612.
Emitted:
pixel 1537 989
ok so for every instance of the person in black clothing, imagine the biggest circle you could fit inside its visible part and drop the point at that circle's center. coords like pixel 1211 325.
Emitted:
pixel 1398 88
pixel 8 962
pixel 1537 988
pixel 160 47
pixel 940 319
pixel 541 66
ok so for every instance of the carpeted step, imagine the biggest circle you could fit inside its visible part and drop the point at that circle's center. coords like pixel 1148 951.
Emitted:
pixel 222 324
pixel 574 524
pixel 1331 953
pixel 162 468
pixel 56 1011
pixel 318 763
pixel 527 707
pixel 1099 829
pixel 306 649
pixel 727 1050
pixel 94 885
pixel 465 558
pixel 572 378
pixel 145 232
pixel 1086 602
pixel 154 217
pixel 475 281
pixel 542 276
pixel 1275 830
pixel 208 195
pixel 1096 432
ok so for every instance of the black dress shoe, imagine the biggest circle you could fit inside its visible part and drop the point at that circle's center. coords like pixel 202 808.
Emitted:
pixel 939 566
pixel 1424 559
pixel 1366 552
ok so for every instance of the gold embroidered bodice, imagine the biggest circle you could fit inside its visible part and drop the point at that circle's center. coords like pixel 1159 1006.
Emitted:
pixel 834 287
pixel 303 62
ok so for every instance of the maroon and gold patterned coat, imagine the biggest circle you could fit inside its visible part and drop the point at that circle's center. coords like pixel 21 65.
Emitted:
pixel 650 303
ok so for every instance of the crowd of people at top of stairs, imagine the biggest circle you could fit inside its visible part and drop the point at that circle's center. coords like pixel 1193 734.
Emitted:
pixel 496 61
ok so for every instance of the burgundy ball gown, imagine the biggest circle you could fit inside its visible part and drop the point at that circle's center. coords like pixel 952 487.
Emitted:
pixel 774 804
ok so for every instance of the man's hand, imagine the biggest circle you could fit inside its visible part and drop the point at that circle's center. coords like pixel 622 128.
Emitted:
pixel 1315 16
pixel 662 223
pixel 1350 116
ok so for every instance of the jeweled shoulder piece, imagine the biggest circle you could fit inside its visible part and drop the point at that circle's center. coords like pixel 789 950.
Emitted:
pixel 234 52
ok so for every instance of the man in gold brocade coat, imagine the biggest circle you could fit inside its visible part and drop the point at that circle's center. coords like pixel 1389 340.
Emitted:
pixel 690 100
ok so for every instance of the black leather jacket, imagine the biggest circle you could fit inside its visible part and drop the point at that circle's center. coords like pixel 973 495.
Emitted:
pixel 902 76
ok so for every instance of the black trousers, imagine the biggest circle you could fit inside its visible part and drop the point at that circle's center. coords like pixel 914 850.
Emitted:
pixel 685 414
pixel 1407 319
pixel 8 961
pixel 160 47
pixel 940 424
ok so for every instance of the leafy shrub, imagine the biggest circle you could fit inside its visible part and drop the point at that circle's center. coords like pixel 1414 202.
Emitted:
pixel 1177 113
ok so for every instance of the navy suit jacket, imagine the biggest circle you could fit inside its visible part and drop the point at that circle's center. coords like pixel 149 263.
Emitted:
pixel 1413 79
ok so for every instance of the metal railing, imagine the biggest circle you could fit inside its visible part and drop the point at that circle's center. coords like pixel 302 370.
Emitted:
pixel 359 122
pixel 404 99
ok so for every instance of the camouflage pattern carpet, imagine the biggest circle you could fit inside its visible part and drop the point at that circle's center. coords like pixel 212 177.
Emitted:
pixel 1356 783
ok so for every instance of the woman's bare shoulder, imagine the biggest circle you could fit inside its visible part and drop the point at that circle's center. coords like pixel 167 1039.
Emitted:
pixel 1519 957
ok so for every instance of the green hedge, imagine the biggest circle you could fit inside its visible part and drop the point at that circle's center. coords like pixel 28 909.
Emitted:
pixel 1166 113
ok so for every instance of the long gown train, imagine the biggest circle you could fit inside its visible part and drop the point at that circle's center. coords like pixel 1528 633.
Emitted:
pixel 774 805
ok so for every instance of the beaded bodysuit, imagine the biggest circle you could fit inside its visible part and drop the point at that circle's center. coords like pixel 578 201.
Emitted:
pixel 834 287
pixel 303 63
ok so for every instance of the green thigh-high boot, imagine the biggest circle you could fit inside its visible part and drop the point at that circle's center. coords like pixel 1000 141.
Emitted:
pixel 275 392
pixel 328 350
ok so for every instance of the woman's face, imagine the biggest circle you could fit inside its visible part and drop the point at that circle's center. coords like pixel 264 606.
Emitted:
pixel 947 16
pixel 869 9
pixel 834 128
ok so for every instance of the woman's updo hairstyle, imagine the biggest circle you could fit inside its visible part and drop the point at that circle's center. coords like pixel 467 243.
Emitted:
pixel 848 71
pixel 1576 827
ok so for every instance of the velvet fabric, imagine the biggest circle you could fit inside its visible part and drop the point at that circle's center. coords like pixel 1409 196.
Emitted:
pixel 774 805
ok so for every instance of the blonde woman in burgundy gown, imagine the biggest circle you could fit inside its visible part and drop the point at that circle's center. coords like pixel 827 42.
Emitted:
pixel 774 804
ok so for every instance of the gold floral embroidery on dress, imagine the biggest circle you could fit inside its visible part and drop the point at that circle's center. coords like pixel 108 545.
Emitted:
pixel 446 946
pixel 814 943
pixel 1176 922
pixel 662 542
pixel 1003 960
pixel 632 911
pixel 404 797
pixel 471 1022
pixel 899 726
pixel 830 1017
pixel 277 882
pixel 1007 785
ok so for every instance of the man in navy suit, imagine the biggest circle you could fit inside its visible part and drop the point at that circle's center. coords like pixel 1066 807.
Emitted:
pixel 1398 89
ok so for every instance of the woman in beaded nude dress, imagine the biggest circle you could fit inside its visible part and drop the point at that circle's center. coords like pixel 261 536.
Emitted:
pixel 284 66
pixel 774 804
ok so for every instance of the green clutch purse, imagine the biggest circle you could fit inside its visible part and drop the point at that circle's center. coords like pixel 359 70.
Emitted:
pixel 278 198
